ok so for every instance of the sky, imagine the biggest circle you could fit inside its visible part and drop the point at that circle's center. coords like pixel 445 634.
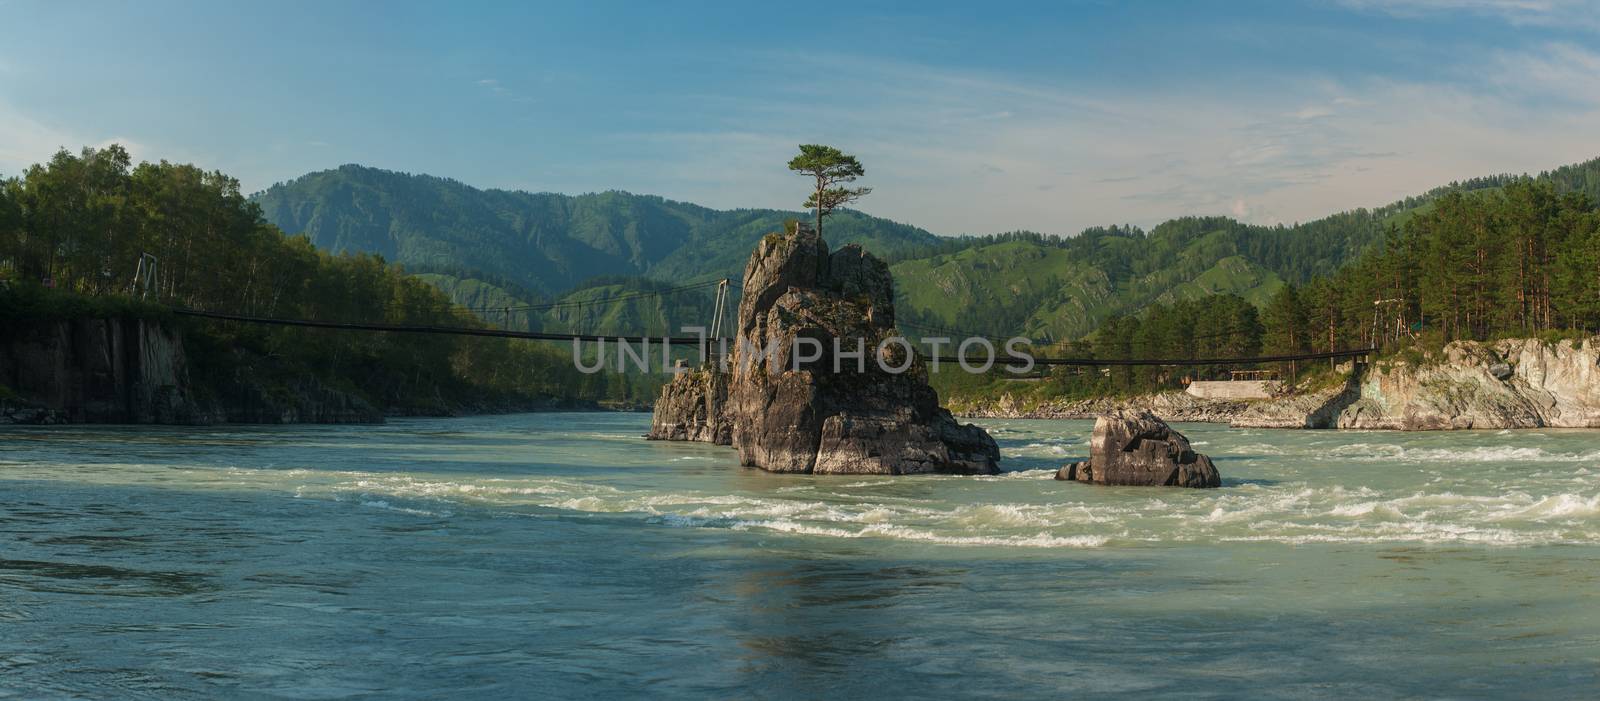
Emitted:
pixel 969 117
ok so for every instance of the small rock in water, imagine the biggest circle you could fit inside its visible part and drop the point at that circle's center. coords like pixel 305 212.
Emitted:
pixel 1138 449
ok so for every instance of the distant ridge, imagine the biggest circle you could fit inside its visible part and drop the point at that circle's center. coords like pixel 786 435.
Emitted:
pixel 498 247
pixel 544 242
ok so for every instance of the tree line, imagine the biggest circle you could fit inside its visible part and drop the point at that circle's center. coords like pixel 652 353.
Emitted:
pixel 91 224
pixel 1509 257
pixel 1522 260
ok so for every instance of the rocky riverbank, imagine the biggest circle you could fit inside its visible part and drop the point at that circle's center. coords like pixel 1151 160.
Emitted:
pixel 1513 383
pixel 137 371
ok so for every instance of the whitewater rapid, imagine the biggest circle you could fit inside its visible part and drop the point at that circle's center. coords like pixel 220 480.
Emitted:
pixel 561 555
pixel 1293 487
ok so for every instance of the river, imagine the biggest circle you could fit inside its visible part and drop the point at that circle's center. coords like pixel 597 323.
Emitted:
pixel 560 556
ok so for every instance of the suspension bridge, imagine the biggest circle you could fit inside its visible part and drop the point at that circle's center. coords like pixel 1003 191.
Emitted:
pixel 715 336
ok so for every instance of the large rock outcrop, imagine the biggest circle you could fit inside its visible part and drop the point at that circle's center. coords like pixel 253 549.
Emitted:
pixel 1138 449
pixel 807 418
pixel 1513 383
pixel 692 408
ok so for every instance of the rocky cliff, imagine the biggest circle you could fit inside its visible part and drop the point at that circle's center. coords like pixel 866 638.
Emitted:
pixel 137 371
pixel 1516 383
pixel 829 415
pixel 98 371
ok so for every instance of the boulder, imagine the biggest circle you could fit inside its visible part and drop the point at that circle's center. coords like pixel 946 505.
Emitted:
pixel 809 418
pixel 1138 449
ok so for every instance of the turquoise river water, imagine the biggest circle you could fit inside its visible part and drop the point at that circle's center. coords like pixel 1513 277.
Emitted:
pixel 562 556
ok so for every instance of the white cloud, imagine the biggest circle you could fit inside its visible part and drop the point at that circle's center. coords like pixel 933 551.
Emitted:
pixel 1560 71
pixel 25 141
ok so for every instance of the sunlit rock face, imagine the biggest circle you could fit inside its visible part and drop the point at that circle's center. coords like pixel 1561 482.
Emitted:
pixel 691 408
pixel 862 419
pixel 1138 449
pixel 1510 383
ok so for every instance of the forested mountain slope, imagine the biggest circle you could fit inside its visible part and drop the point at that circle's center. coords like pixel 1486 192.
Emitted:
pixel 545 242
pixel 1056 287
pixel 500 249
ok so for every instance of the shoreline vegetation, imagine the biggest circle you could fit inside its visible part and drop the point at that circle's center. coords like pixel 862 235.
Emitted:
pixel 94 250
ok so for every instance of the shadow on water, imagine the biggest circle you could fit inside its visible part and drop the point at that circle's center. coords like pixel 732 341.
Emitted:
pixel 811 626
pixel 102 580
pixel 1256 481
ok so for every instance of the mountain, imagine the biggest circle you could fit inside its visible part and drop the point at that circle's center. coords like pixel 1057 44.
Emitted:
pixel 547 243
pixel 1063 288
pixel 534 253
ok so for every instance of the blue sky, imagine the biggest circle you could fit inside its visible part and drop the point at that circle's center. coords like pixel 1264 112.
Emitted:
pixel 970 117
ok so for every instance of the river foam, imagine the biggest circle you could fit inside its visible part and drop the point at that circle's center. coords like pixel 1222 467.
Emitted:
pixel 1068 515
pixel 1291 487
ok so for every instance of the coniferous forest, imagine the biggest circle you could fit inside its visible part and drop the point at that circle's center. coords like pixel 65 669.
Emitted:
pixel 1518 259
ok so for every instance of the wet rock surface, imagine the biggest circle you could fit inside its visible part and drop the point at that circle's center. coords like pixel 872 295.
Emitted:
pixel 1138 449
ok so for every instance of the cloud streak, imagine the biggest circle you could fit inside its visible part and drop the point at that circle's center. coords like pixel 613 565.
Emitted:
pixel 494 87
pixel 1565 14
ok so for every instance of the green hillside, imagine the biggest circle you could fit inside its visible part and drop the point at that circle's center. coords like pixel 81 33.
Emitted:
pixel 547 243
pixel 1055 287
pixel 493 249
pixel 1049 287
pixel 609 306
